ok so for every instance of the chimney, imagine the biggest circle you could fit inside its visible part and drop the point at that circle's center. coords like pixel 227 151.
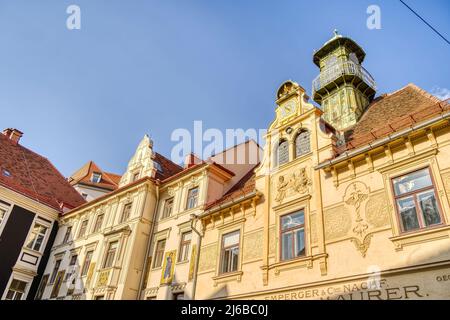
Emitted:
pixel 13 134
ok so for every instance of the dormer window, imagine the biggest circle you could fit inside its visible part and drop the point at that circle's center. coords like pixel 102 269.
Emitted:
pixel 96 177
pixel 158 166
pixel 6 173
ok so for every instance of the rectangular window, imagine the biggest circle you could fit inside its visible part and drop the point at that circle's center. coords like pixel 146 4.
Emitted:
pixel 230 252
pixel 292 235
pixel 159 253
pixel 73 260
pixel 55 271
pixel 192 198
pixel 185 245
pixel 98 223
pixel 87 263
pixel 37 237
pixel 168 207
pixel 416 201
pixel 126 212
pixel 16 290
pixel 110 255
pixel 41 289
pixel 83 228
pixel 68 234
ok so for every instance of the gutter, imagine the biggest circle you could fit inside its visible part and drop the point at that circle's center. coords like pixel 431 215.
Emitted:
pixel 194 219
pixel 229 203
pixel 380 142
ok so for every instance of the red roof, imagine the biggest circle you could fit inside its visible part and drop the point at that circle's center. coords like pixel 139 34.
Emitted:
pixel 393 112
pixel 109 181
pixel 32 175
pixel 168 167
pixel 243 187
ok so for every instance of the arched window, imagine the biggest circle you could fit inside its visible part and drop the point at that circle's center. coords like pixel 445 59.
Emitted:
pixel 302 143
pixel 283 152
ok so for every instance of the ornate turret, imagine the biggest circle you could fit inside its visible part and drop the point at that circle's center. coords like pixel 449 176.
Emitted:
pixel 343 88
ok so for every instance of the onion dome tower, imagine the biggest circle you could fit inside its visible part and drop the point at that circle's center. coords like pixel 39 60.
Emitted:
pixel 343 88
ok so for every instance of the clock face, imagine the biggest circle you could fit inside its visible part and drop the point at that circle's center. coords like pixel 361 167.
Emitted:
pixel 288 108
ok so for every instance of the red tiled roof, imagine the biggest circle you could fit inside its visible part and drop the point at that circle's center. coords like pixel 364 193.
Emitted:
pixel 109 181
pixel 243 187
pixel 168 167
pixel 393 112
pixel 32 175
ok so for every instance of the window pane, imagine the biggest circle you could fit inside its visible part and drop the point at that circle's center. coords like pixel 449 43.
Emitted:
pixel 427 201
pixel 286 246
pixel 408 213
pixel 412 182
pixel 300 242
pixel 302 145
pixel 231 239
pixel 234 259
pixel 283 152
pixel 292 220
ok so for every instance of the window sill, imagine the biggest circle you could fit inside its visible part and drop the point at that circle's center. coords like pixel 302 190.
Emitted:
pixel 226 277
pixel 421 236
pixel 301 262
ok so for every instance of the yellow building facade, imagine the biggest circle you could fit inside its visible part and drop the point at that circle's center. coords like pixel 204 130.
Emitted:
pixel 358 213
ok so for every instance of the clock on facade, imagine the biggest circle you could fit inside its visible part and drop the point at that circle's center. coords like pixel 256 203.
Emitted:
pixel 288 108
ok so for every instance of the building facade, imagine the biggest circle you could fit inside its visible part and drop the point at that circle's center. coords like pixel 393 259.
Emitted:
pixel 351 200
pixel 33 195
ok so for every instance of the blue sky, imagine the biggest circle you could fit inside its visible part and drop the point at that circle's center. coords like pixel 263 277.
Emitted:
pixel 139 67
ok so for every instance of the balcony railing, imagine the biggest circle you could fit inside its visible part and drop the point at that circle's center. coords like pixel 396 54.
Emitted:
pixel 338 70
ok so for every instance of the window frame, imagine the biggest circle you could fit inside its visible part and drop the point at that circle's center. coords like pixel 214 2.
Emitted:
pixel 105 264
pixel 282 141
pixel 67 235
pixel 299 133
pixel 163 214
pixel 86 263
pixel 98 227
pixel 81 228
pixel 15 291
pixel 36 236
pixel 98 175
pixel 55 271
pixel 125 207
pixel 196 197
pixel 291 230
pixel 184 244
pixel 413 194
pixel 160 251
pixel 223 249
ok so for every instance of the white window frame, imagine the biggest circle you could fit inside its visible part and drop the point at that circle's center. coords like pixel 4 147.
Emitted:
pixel 46 236
pixel 8 210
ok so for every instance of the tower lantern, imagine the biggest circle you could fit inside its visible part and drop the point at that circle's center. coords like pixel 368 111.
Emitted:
pixel 343 88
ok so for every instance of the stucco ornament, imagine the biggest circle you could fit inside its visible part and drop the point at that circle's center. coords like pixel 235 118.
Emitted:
pixel 296 184
pixel 355 195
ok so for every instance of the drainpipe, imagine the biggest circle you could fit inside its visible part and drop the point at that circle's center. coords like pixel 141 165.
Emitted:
pixel 194 219
pixel 150 238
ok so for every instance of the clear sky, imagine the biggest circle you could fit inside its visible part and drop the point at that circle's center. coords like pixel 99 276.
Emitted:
pixel 139 67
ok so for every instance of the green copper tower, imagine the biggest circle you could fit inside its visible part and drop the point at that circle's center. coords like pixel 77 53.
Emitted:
pixel 343 88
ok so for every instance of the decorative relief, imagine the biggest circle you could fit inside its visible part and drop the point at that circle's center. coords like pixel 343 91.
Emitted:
pixel 170 191
pixel 272 241
pixel 296 183
pixel 355 195
pixel 338 222
pixel 252 246
pixel 377 211
pixel 208 257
